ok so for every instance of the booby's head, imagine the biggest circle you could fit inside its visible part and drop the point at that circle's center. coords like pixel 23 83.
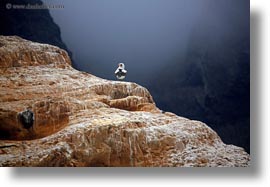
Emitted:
pixel 121 65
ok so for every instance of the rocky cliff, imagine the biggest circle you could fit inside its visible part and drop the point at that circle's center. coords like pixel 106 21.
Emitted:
pixel 83 120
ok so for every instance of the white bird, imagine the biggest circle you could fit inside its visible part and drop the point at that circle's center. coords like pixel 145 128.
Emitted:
pixel 120 72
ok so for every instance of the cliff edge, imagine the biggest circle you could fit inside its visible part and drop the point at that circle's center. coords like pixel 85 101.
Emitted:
pixel 83 120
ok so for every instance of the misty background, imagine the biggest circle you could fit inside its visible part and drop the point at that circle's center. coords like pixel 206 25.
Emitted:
pixel 192 55
pixel 145 35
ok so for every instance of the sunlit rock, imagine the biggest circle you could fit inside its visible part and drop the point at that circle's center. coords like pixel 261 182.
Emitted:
pixel 83 120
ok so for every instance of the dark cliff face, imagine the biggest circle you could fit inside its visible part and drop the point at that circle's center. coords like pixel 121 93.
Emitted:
pixel 211 82
pixel 32 24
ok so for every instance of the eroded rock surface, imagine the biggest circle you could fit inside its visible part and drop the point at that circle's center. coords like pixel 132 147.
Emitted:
pixel 83 120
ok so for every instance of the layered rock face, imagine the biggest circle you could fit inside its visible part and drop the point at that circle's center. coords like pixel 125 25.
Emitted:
pixel 83 120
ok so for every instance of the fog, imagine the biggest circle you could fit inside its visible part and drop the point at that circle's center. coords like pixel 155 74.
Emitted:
pixel 144 34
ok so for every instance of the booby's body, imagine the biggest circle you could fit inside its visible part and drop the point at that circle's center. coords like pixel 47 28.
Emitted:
pixel 120 72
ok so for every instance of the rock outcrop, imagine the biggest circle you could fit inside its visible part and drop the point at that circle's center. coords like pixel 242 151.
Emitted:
pixel 83 120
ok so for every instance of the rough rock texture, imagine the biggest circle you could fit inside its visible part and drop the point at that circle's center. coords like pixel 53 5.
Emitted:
pixel 83 120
